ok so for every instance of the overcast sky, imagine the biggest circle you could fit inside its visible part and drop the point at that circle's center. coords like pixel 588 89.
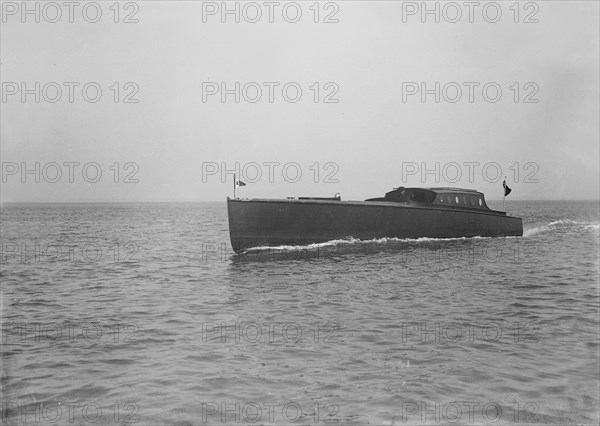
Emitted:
pixel 378 135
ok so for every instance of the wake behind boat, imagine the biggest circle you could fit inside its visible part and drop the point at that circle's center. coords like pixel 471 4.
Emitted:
pixel 401 213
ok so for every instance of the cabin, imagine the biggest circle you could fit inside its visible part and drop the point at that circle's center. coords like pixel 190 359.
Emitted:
pixel 443 197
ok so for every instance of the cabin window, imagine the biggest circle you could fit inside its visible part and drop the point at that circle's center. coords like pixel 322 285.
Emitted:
pixel 456 200
pixel 480 202
pixel 419 196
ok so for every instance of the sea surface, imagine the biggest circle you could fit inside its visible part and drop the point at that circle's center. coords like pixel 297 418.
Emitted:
pixel 141 313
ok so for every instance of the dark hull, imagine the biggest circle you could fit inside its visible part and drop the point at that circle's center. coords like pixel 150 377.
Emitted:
pixel 256 222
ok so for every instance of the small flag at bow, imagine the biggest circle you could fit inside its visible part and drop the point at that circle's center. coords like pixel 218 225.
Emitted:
pixel 506 188
pixel 240 183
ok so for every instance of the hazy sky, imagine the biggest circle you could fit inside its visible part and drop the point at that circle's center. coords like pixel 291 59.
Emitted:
pixel 377 136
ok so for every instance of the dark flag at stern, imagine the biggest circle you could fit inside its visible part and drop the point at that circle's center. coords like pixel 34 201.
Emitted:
pixel 506 188
pixel 506 192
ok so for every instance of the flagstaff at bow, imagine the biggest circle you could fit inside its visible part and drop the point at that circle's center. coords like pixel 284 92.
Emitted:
pixel 237 183
pixel 401 213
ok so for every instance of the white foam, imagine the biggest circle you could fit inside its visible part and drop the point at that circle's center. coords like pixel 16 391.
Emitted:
pixel 564 222
pixel 561 226
pixel 352 241
pixel 303 247
pixel 534 231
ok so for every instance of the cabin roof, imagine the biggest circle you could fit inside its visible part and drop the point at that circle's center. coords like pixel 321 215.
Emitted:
pixel 448 189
